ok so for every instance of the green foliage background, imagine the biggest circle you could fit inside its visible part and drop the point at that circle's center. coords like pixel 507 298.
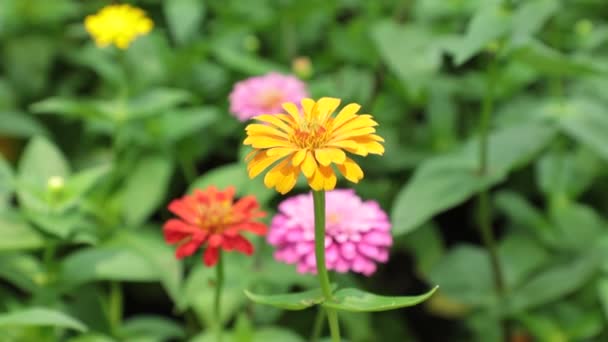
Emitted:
pixel 129 130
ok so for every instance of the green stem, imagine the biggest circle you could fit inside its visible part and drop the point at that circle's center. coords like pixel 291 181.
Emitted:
pixel 219 283
pixel 115 307
pixel 318 327
pixel 332 315
pixel 485 211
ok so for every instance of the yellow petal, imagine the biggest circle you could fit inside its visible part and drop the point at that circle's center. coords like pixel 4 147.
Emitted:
pixel 316 181
pixel 329 177
pixel 353 133
pixel 351 171
pixel 327 106
pixel 265 130
pixel 308 106
pixel 290 176
pixel 298 158
pixel 280 151
pixel 348 112
pixel 354 124
pixel 280 121
pixel 309 165
pixel 251 154
pixel 293 111
pixel 263 141
pixel 326 156
pixel 348 145
pixel 275 175
pixel 259 163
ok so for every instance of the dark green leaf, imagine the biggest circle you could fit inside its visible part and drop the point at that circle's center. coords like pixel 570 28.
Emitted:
pixel 356 300
pixel 154 328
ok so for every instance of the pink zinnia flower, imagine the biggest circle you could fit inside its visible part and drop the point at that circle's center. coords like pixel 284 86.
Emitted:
pixel 265 95
pixel 357 234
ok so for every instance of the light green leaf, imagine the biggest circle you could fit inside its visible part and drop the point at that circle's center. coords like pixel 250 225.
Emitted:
pixel 180 123
pixel 586 122
pixel 549 61
pixel 7 182
pixel 156 101
pixel 17 234
pixel 445 181
pixel 40 162
pixel 245 63
pixel 184 18
pixel 530 17
pixel 356 300
pixel 23 271
pixel 106 263
pixel 411 52
pixel 602 293
pixel 35 316
pixel 152 328
pixel 234 174
pixel 18 124
pixel 289 301
pixel 145 188
pixel 490 22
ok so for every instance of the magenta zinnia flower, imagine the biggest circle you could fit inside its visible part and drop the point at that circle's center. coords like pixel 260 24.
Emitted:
pixel 357 233
pixel 265 95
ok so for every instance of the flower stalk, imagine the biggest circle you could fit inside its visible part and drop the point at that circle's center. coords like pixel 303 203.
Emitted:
pixel 217 300
pixel 322 274
pixel 485 210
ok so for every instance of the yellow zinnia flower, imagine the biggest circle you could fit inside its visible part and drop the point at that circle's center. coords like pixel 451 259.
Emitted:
pixel 311 142
pixel 118 25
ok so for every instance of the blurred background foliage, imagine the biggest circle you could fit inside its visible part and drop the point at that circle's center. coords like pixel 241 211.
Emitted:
pixel 95 142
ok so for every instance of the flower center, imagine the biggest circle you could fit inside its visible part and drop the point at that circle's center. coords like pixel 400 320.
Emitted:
pixel 216 217
pixel 271 99
pixel 310 135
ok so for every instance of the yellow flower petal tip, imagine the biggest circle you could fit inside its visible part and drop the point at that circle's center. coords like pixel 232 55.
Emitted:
pixel 118 24
pixel 310 139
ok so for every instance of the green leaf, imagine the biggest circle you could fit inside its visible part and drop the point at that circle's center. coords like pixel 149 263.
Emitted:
pixel 549 61
pixel 17 234
pixel 411 52
pixel 181 123
pixel 356 300
pixel 245 63
pixel 7 183
pixel 155 101
pixel 554 282
pixel 290 301
pixel 40 162
pixel 602 293
pixel 464 275
pixel 106 263
pixel 446 181
pixel 577 226
pixel 18 124
pixel 234 174
pixel 145 188
pixel 153 328
pixel 531 16
pixel 427 246
pixel 23 271
pixel 586 122
pixel 38 316
pixel 490 22
pixel 184 18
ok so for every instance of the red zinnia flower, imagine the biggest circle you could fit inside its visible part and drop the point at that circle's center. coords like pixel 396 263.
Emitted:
pixel 212 217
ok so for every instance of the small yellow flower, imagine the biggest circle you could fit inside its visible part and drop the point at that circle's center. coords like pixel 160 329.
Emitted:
pixel 311 141
pixel 118 25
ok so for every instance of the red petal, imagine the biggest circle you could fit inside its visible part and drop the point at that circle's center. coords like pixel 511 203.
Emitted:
pixel 176 230
pixel 211 256
pixel 245 205
pixel 185 208
pixel 215 240
pixel 187 249
pixel 254 227
pixel 242 245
